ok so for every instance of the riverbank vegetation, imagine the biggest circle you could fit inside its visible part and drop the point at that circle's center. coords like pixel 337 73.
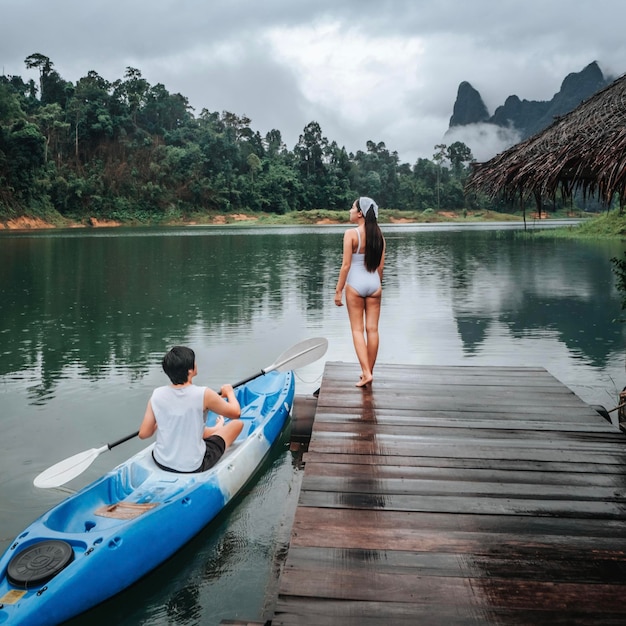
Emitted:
pixel 608 225
pixel 125 151
pixel 291 218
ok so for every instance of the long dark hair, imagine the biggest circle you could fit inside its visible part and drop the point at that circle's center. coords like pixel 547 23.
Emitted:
pixel 374 242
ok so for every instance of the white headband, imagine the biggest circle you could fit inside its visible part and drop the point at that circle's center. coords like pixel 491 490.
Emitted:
pixel 365 204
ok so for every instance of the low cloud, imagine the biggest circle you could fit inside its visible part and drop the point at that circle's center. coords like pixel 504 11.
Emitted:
pixel 484 140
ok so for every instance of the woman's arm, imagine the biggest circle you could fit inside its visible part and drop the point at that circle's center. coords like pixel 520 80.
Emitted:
pixel 348 244
pixel 381 265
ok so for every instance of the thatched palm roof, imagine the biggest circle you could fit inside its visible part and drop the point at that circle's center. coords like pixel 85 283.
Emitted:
pixel 583 150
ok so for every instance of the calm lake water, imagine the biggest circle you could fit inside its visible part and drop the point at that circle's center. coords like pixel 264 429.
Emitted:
pixel 87 315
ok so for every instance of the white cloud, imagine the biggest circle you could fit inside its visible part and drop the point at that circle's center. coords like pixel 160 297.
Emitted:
pixel 364 69
pixel 349 79
pixel 348 70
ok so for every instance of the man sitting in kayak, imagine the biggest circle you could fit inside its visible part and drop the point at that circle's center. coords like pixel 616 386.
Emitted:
pixel 177 414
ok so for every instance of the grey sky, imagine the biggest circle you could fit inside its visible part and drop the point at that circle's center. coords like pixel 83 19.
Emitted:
pixel 385 70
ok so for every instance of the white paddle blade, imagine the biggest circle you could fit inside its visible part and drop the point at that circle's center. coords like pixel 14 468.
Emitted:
pixel 303 353
pixel 67 469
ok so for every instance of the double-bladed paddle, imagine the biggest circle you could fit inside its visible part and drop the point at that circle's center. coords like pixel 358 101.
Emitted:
pixel 299 355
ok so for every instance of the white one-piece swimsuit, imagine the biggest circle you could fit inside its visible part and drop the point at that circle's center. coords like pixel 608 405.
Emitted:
pixel 365 283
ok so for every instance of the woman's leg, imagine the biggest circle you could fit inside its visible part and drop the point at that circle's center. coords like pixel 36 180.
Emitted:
pixel 356 314
pixel 372 315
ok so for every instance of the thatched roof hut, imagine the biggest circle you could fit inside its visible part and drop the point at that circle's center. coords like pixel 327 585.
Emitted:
pixel 583 150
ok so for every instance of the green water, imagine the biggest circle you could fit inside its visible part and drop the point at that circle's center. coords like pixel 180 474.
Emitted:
pixel 85 317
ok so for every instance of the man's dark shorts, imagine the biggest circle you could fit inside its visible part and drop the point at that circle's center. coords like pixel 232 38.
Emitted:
pixel 215 447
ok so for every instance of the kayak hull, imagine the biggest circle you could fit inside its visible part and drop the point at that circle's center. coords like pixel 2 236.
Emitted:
pixel 114 531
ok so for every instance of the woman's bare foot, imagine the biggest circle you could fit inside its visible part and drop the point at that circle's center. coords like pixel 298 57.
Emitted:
pixel 364 381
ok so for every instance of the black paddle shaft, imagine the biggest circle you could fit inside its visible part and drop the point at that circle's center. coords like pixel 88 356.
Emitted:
pixel 122 440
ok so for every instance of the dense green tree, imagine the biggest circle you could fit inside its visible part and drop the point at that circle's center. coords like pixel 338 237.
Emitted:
pixel 43 64
pixel 254 164
pixel 25 94
pixel 132 92
pixel 339 190
pixel 310 152
pixel 52 88
pixel 274 145
pixel 129 149
pixel 22 154
pixel 163 111
pixel 458 154
pixel 91 108
pixel 51 122
pixel 10 105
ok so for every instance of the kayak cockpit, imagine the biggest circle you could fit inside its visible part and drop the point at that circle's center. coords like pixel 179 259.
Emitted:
pixel 75 515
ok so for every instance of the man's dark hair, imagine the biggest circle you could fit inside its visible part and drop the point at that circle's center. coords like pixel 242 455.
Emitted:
pixel 177 363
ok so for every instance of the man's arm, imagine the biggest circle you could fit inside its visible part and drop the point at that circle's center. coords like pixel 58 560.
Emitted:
pixel 225 403
pixel 148 425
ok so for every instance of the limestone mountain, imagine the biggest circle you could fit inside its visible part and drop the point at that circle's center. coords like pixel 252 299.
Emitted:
pixel 528 117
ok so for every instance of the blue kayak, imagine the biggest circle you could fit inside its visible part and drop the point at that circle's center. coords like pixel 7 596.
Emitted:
pixel 108 535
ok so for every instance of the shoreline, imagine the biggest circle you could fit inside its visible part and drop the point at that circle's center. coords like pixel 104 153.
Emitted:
pixel 303 218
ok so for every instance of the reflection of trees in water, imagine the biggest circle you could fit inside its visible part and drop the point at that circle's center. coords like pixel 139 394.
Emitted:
pixel 504 277
pixel 98 300
pixel 473 332
pixel 603 336
pixel 565 287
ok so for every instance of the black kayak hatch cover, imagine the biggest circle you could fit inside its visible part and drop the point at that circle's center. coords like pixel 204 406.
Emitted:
pixel 39 563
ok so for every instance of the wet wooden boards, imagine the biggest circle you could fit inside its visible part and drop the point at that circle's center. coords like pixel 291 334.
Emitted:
pixel 457 495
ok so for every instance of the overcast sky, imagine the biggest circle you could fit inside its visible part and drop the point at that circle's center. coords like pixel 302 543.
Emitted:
pixel 383 70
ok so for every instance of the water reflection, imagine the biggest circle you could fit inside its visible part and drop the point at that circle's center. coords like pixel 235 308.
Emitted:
pixel 86 316
pixel 365 490
pixel 96 301
pixel 535 287
pixel 82 305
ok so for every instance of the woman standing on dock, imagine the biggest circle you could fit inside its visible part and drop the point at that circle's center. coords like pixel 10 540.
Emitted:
pixel 361 274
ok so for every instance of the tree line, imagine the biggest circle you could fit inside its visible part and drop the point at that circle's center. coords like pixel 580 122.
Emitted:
pixel 130 150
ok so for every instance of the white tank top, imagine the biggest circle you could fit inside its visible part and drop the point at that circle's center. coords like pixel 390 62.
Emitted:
pixel 179 413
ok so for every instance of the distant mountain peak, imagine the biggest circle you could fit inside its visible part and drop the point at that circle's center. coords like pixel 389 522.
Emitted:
pixel 469 107
pixel 526 117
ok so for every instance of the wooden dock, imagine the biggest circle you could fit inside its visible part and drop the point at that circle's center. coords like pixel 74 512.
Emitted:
pixel 457 495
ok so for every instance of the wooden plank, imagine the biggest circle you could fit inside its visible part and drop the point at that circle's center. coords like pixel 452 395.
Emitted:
pixel 486 505
pixel 457 495
pixel 327 612
pixel 363 429
pixel 464 593
pixel 422 474
pixel 490 395
pixel 386 435
pixel 393 447
pixel 460 533
pixel 540 565
pixel 522 465
pixel 388 487
pixel 577 420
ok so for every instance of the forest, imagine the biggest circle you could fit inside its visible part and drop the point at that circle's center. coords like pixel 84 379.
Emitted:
pixel 127 150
